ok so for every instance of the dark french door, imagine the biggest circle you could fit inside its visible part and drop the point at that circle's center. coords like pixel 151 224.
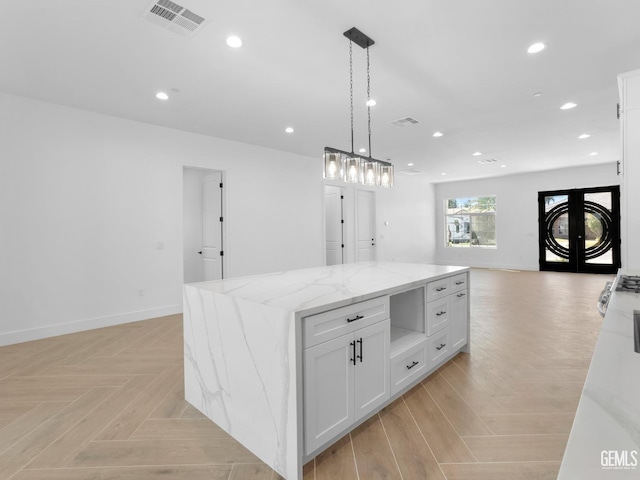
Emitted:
pixel 580 230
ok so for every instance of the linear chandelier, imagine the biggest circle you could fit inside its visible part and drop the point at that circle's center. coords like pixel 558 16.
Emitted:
pixel 347 166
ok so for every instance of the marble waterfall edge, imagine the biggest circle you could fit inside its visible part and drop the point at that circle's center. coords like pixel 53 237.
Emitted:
pixel 240 372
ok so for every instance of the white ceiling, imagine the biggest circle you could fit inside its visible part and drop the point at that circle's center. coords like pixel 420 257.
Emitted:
pixel 459 66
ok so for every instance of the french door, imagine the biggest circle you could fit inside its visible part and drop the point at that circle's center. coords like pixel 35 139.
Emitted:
pixel 580 230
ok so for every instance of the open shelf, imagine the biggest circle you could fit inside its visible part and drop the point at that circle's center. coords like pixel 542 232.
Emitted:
pixel 408 319
pixel 403 339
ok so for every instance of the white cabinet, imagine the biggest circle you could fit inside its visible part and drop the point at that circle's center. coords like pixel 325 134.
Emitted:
pixel 439 348
pixel 629 84
pixel 458 319
pixel 344 379
pixel 408 366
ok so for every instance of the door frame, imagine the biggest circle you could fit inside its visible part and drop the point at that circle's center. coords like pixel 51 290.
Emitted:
pixel 577 263
pixel 223 226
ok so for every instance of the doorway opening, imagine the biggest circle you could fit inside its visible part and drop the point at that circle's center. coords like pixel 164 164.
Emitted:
pixel 580 230
pixel 202 224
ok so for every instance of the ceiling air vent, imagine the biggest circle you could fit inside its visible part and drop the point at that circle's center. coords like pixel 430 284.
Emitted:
pixel 401 122
pixel 487 161
pixel 174 17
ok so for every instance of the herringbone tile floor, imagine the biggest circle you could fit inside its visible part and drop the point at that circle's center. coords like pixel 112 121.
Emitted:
pixel 109 403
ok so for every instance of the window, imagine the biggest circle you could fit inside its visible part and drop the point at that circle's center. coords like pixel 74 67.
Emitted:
pixel 470 222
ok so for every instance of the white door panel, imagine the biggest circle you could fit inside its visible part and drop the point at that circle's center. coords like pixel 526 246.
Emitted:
pixel 365 229
pixel 333 224
pixel 212 226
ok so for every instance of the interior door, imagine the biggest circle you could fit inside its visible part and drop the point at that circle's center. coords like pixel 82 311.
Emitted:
pixel 580 230
pixel 366 223
pixel 334 224
pixel 212 226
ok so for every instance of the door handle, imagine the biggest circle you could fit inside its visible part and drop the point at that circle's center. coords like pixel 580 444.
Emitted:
pixel 200 252
pixel 360 356
pixel 353 344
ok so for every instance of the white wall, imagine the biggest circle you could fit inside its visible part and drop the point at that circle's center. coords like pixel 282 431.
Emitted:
pixel 517 213
pixel 409 209
pixel 86 198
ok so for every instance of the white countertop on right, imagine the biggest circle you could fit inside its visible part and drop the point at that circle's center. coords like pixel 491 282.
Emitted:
pixel 605 438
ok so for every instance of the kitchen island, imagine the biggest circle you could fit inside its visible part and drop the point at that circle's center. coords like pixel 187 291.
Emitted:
pixel 605 438
pixel 289 362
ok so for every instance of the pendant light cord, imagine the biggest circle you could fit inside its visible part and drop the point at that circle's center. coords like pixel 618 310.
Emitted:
pixel 369 101
pixel 351 87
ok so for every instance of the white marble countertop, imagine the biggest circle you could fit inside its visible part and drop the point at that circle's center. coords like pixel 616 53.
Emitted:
pixel 311 290
pixel 605 437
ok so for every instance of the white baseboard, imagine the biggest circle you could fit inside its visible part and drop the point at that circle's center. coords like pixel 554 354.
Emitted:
pixel 20 336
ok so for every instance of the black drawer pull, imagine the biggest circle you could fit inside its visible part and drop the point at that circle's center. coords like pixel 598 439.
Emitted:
pixel 409 367
pixel 461 295
pixel 440 313
pixel 360 356
pixel 442 345
pixel 357 317
pixel 440 289
pixel 353 344
pixel 459 282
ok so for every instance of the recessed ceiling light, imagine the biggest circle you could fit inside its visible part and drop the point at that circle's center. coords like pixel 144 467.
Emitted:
pixel 476 154
pixel 503 166
pixel 371 103
pixel 536 47
pixel 438 134
pixel 443 174
pixel 162 96
pixel 568 106
pixel 234 42
pixel 583 136
pixel 537 94
pixel 362 150
pixel 288 130
pixel 409 164
pixel 593 154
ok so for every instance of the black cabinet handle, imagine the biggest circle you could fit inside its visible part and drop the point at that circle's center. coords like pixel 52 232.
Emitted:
pixel 357 317
pixel 459 282
pixel 442 345
pixel 360 356
pixel 461 295
pixel 409 367
pixel 440 289
pixel 440 313
pixel 200 252
pixel 353 344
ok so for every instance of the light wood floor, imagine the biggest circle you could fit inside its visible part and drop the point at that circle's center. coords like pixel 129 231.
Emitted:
pixel 108 404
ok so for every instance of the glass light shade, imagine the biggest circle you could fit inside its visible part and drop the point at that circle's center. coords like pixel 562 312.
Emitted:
pixel 386 176
pixel 352 170
pixel 333 166
pixel 370 173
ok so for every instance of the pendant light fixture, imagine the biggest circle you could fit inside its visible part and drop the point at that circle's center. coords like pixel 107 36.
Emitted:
pixel 348 166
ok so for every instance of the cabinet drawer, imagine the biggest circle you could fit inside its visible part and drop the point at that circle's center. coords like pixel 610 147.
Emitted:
pixel 328 325
pixel 437 315
pixel 409 365
pixel 437 289
pixel 438 348
pixel 457 283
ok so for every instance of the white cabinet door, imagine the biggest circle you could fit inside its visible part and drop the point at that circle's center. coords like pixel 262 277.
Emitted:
pixel 372 384
pixel 458 319
pixel 328 390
